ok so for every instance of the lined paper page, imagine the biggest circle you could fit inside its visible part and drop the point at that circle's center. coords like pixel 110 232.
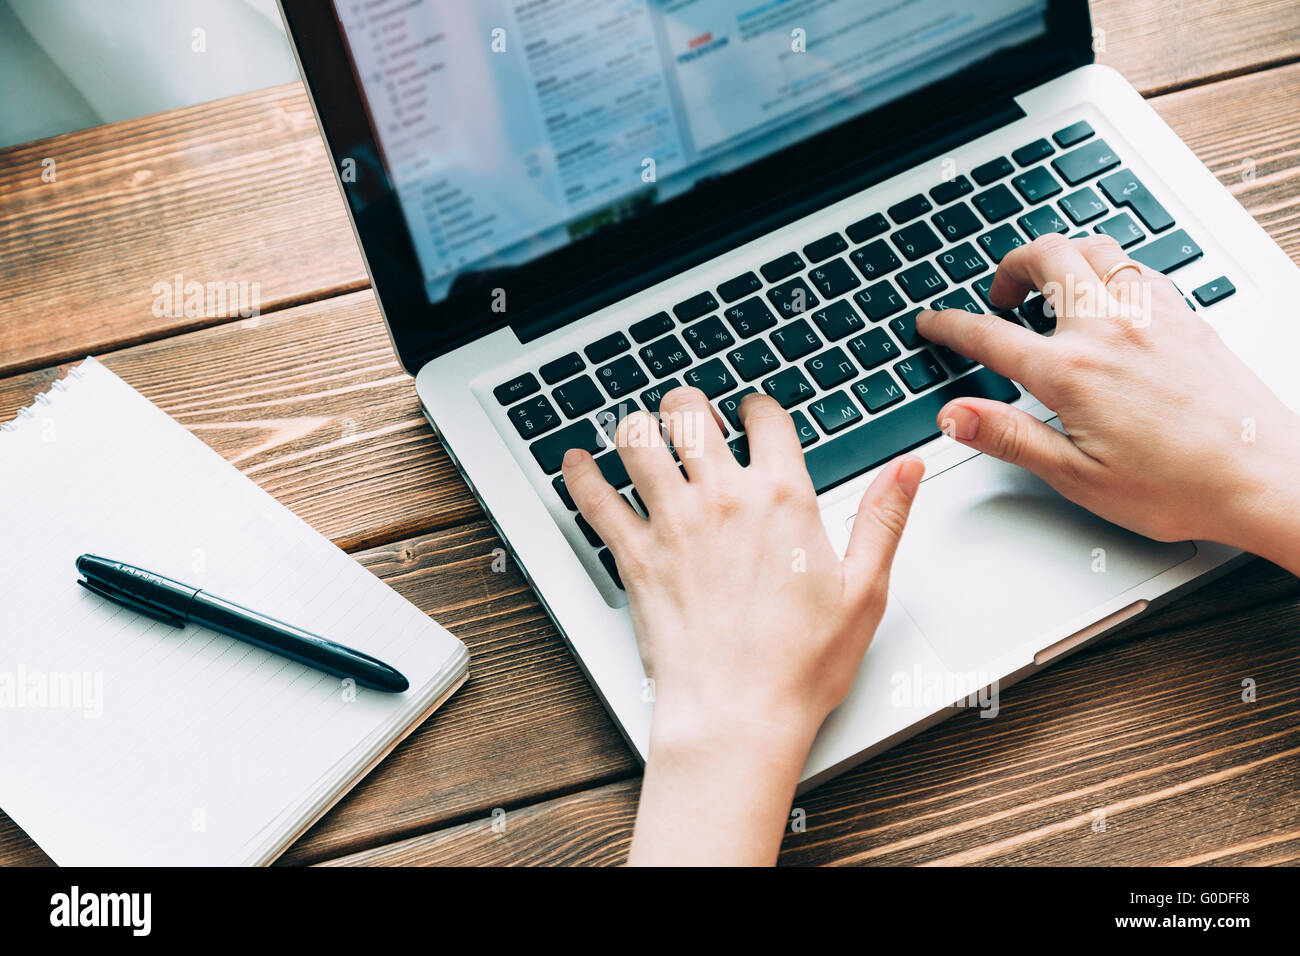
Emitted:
pixel 126 741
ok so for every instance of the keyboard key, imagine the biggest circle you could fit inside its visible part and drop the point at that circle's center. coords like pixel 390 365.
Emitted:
pixel 608 347
pixel 1168 253
pixel 607 420
pixel 873 348
pixel 877 392
pixel 909 208
pixel 961 262
pixel 1036 185
pixel 695 306
pixel 835 412
pixel 563 367
pixel 982 287
pixel 879 300
pixel 665 356
pixel 916 240
pixel 1083 206
pixel 921 281
pixel 957 299
pixel 712 378
pixel 577 397
pixel 1122 229
pixel 920 371
pixel 825 247
pixel 955 360
pixel 647 329
pixel 868 228
pixel 562 490
pixel 1031 153
pixel 621 376
pixel 830 368
pixel 779 268
pixel 533 417
pixel 1085 162
pixel 838 320
pixel 796 340
pixel 753 360
pixel 992 171
pixel 1215 291
pixel 517 388
pixel 740 449
pixel 653 395
pixel 792 297
pixel 788 386
pixel 804 429
pixel 997 203
pixel 607 559
pixel 752 316
pixel 1124 189
pixel 952 189
pixel 905 328
pixel 708 336
pixel 834 278
pixel 1074 133
pixel 1041 221
pixel 998 242
pixel 739 287
pixel 876 260
pixel 588 531
pixel 730 406
pixel 1040 315
pixel 611 466
pixel 957 222
pixel 832 463
pixel 549 451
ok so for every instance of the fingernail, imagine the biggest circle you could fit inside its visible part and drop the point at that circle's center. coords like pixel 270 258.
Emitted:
pixel 910 473
pixel 572 457
pixel 924 315
pixel 959 422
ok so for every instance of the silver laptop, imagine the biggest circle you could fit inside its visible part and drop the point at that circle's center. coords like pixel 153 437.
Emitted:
pixel 568 208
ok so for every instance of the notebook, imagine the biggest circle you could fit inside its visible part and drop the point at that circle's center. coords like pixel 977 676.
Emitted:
pixel 124 741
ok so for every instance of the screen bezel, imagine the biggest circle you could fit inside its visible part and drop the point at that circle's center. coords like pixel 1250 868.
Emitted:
pixel 622 259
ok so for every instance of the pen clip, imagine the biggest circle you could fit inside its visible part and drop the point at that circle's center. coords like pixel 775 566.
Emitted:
pixel 135 604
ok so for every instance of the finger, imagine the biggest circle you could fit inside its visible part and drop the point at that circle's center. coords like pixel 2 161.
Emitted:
pixel 1129 289
pixel 1008 348
pixel 649 463
pixel 773 441
pixel 695 432
pixel 879 524
pixel 1015 436
pixel 1052 265
pixel 605 509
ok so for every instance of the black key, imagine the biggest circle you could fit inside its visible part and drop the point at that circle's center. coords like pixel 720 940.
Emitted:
pixel 1085 162
pixel 877 392
pixel 588 531
pixel 1124 189
pixel 777 269
pixel 534 417
pixel 1036 185
pixel 577 397
pixel 834 278
pixel 753 360
pixel 879 301
pixel 1215 291
pixel 647 329
pixel 909 208
pixel 1031 153
pixel 712 378
pixel 992 171
pixel 708 336
pixel 562 490
pixel 517 388
pixel 788 386
pixel 873 348
pixel 905 328
pixel 1074 133
pixel 1168 253
pixel 549 451
pixel 1122 229
pixel 880 439
pixel 607 347
pixel 739 287
pixel 730 406
pixel 835 411
pixel 752 316
pixel 1040 315
pixel 830 368
pixel 607 420
pixel 665 356
pixel 793 297
pixel 695 306
pixel 1041 221
pixel 621 376
pixel 804 429
pixel 998 242
pixel 952 189
pixel 796 340
pixel 838 320
pixel 1083 206
pixel 920 371
pixel 916 240
pixel 611 466
pixel 875 260
pixel 868 228
pixel 921 281
pixel 957 222
pixel 607 559
pixel 982 287
pixel 564 366
pixel 997 203
pixel 961 262
pixel 957 299
pixel 740 449
pixel 653 395
pixel 955 360
pixel 825 247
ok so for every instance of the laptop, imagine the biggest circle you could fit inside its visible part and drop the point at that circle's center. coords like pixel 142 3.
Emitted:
pixel 568 208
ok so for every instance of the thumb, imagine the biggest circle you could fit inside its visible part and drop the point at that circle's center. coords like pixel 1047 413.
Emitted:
pixel 1016 437
pixel 881 517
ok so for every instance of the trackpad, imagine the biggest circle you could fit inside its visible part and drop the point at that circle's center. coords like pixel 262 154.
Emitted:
pixel 993 557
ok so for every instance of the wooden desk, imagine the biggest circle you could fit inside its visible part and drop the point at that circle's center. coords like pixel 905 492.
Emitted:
pixel 310 403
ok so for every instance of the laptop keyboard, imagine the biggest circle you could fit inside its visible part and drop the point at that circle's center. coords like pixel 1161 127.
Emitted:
pixel 829 330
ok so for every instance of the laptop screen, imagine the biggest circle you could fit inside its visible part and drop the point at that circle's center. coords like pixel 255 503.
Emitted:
pixel 512 128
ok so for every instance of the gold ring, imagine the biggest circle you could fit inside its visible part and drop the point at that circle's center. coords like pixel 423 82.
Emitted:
pixel 1117 268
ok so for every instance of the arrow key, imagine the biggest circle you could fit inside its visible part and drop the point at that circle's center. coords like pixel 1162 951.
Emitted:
pixel 1215 291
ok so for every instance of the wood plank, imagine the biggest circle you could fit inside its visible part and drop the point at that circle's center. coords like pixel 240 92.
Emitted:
pixel 236 190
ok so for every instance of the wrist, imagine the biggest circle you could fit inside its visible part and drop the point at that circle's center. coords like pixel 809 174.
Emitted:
pixel 1263 506
pixel 687 731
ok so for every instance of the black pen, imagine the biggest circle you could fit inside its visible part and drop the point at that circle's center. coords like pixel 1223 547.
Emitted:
pixel 177 604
